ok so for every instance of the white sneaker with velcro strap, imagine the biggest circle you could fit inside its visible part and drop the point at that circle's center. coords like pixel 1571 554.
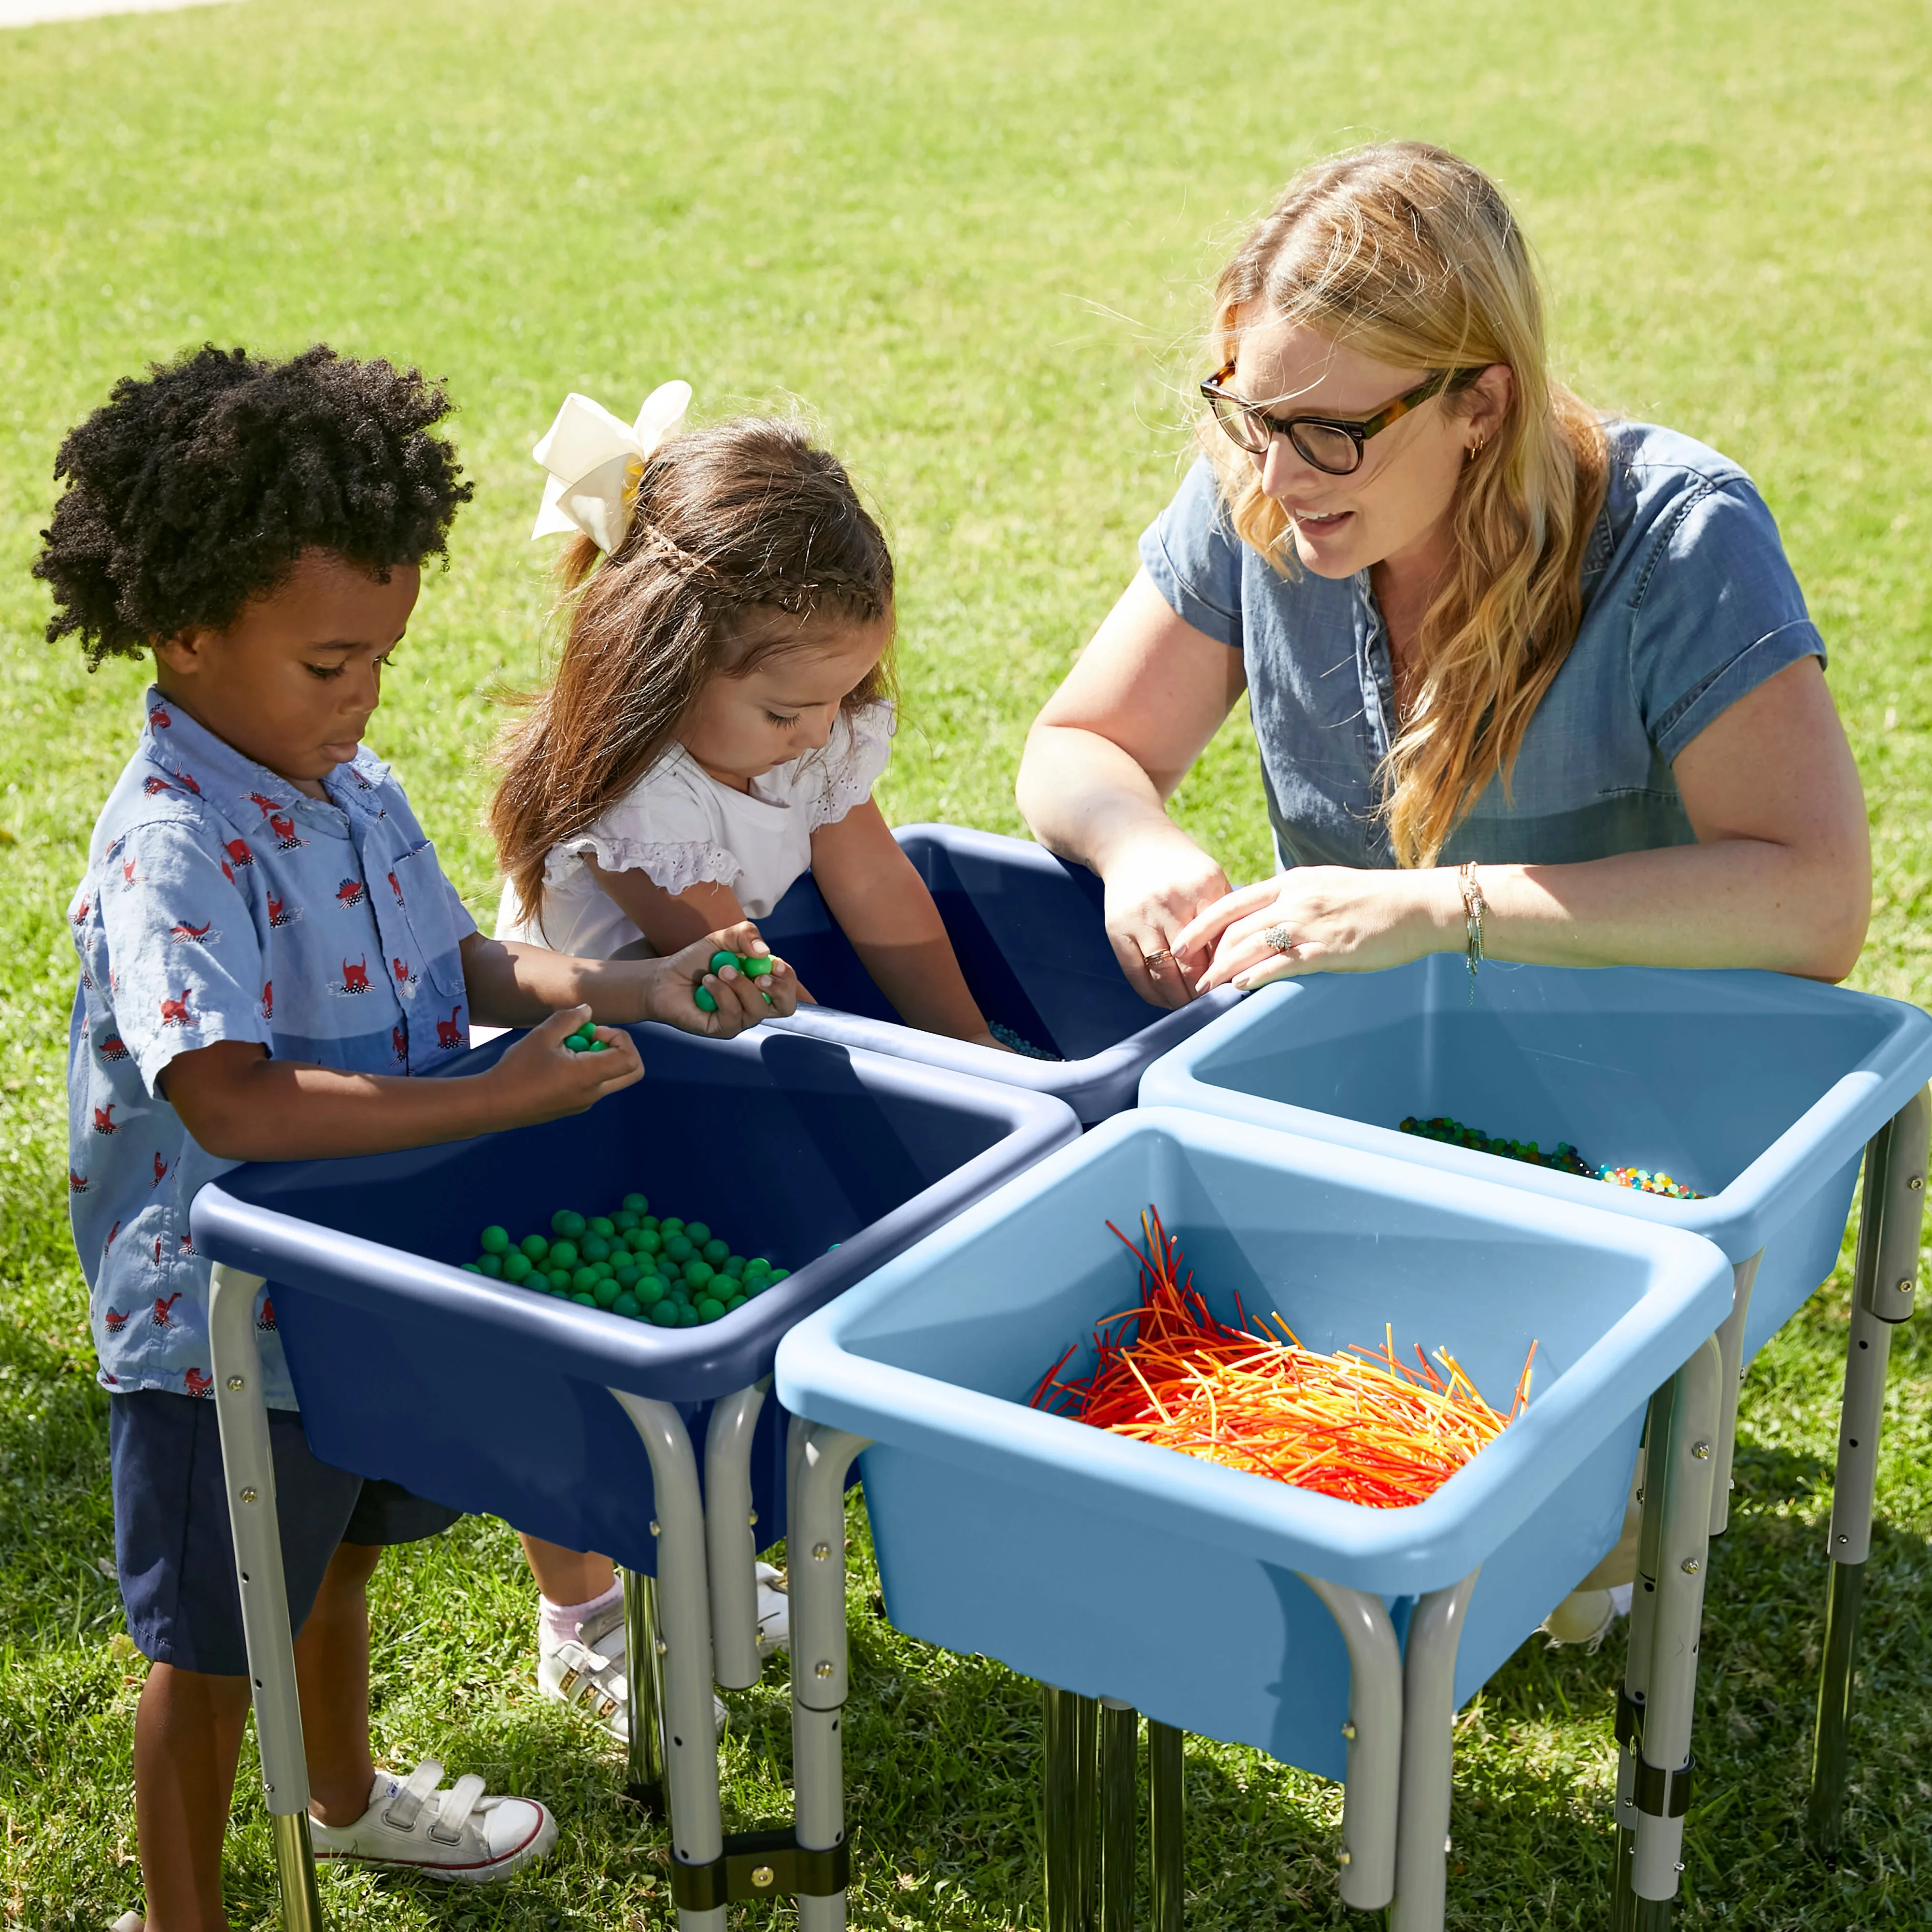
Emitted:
pixel 461 1834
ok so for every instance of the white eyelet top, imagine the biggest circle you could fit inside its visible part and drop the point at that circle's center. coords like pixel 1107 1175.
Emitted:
pixel 680 827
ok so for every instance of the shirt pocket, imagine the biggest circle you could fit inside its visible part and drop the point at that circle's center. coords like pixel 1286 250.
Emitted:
pixel 427 906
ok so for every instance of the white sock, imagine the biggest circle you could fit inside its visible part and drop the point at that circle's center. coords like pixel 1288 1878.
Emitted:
pixel 558 1622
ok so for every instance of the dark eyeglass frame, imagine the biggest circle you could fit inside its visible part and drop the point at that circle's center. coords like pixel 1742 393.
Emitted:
pixel 1228 410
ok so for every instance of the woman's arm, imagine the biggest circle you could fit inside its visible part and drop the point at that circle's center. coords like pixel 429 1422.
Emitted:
pixel 881 902
pixel 1780 877
pixel 1107 752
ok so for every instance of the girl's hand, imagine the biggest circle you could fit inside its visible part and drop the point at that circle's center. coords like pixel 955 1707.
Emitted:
pixel 1337 919
pixel 669 985
pixel 540 1079
pixel 1155 887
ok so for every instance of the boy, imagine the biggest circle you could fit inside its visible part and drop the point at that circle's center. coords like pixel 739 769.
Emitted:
pixel 269 955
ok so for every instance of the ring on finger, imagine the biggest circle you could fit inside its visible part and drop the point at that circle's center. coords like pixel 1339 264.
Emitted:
pixel 1278 939
pixel 1156 958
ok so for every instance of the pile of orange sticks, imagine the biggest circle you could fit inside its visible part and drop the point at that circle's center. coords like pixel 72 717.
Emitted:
pixel 1360 1425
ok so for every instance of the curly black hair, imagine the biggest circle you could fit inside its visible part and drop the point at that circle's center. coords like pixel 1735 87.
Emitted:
pixel 196 487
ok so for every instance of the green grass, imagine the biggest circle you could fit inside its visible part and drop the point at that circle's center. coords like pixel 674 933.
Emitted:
pixel 971 240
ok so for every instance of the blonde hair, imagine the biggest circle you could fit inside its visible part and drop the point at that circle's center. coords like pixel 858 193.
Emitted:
pixel 743 535
pixel 1411 255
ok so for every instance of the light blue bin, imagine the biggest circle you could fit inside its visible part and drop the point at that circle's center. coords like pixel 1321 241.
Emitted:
pixel 1115 1568
pixel 1758 1090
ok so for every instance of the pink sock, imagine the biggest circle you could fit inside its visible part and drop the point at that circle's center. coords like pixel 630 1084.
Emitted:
pixel 559 1620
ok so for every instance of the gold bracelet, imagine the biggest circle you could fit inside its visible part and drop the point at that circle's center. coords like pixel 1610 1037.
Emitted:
pixel 1474 907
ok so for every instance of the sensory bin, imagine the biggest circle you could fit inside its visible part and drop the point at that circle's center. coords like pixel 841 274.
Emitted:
pixel 673 1272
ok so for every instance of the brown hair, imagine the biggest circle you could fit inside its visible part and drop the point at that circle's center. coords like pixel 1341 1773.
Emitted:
pixel 1411 255
pixel 740 535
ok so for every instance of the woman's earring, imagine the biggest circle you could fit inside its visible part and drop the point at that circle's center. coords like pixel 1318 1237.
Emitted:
pixel 1476 447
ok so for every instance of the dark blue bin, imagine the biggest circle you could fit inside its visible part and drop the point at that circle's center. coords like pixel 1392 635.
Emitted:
pixel 1028 931
pixel 492 1398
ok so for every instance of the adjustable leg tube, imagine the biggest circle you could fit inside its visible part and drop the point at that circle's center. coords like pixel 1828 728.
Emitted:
pixel 248 1473
pixel 1371 1788
pixel 644 1770
pixel 1637 1663
pixel 1428 1753
pixel 1118 1762
pixel 684 1609
pixel 1167 1831
pixel 1731 1345
pixel 1678 1477
pixel 731 1547
pixel 1087 1810
pixel 1885 1284
pixel 1060 1783
pixel 820 1670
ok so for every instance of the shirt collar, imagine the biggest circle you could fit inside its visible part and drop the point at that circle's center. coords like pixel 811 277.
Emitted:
pixel 196 761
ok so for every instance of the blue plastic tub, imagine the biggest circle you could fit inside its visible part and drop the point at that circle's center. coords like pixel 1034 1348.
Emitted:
pixel 1758 1090
pixel 492 1398
pixel 1028 933
pixel 1116 1568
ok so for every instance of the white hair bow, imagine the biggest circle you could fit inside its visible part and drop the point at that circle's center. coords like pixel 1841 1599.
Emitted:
pixel 595 462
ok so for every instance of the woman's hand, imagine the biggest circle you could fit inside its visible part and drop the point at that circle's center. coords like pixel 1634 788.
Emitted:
pixel 1159 885
pixel 671 984
pixel 1334 918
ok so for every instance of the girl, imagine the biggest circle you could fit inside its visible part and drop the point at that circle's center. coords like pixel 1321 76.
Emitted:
pixel 721 709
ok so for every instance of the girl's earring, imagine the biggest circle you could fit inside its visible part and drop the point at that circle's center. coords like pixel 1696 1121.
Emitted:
pixel 1476 447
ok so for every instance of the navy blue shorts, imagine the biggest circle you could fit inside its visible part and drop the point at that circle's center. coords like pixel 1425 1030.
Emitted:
pixel 172 1544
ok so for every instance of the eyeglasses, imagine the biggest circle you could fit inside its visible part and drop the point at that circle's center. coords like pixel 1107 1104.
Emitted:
pixel 1330 443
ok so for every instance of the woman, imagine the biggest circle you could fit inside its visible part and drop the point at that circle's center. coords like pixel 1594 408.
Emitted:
pixel 1524 680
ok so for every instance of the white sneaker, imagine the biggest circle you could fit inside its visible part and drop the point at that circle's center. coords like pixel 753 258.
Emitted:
pixel 774 1611
pixel 458 1834
pixel 588 1671
pixel 1585 1616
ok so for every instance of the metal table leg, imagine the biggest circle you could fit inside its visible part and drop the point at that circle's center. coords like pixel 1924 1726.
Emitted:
pixel 1428 1753
pixel 1167 1839
pixel 1885 1282
pixel 1063 1778
pixel 1371 1787
pixel 1118 1766
pixel 1731 1345
pixel 644 1767
pixel 1637 1667
pixel 1677 1480
pixel 691 1735
pixel 248 1473
pixel 731 1548
pixel 820 1671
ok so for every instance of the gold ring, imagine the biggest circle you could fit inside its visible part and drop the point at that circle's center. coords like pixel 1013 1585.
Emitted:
pixel 1155 958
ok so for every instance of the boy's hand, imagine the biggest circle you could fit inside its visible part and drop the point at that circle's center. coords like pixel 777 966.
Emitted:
pixel 671 984
pixel 540 1079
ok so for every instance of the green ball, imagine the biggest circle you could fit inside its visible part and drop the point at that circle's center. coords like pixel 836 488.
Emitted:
pixel 688 1317
pixel 701 998
pixel 697 1233
pixel 594 1248
pixel 779 1274
pixel 736 1265
pixel 585 1300
pixel 680 1247
pixel 626 1276
pixel 566 1223
pixel 516 1265
pixel 598 1046
pixel 494 1240
pixel 491 1264
pixel 647 1241
pixel 572 1044
pixel 650 1289
pixel 756 1284
pixel 626 1305
pixel 558 1280
pixel 586 1031
pixel 563 1254
pixel 716 1252
pixel 584 1279
pixel 758 964
pixel 721 958
pixel 636 1204
pixel 736 1302
pixel 470 1268
pixel 600 1224
pixel 665 1314
pixel 534 1245
pixel 757 1264
pixel 624 1220
pixel 708 1310
pixel 670 1225
pixel 698 1274
pixel 605 1294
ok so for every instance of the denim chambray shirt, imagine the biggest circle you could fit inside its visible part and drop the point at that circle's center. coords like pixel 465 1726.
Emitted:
pixel 220 903
pixel 1690 604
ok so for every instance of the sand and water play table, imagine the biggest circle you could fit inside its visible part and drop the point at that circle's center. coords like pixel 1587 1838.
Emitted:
pixel 1762 1092
pixel 1344 1636
pixel 657 1445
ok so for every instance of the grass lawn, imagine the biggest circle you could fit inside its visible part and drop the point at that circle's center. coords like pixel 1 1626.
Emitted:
pixel 971 240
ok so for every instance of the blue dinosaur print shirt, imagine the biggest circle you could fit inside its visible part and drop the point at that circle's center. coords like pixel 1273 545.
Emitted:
pixel 220 903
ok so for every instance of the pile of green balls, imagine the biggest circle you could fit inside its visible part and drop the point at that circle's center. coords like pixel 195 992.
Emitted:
pixel 673 1273
pixel 753 966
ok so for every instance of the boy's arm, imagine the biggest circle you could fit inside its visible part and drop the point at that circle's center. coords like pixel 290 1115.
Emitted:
pixel 240 1104
pixel 872 890
pixel 510 984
